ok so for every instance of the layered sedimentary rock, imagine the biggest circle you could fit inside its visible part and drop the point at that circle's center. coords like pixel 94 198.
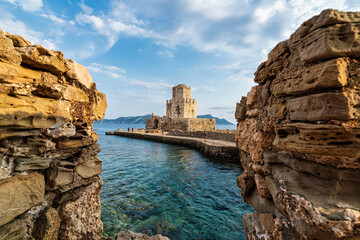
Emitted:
pixel 299 133
pixel 49 169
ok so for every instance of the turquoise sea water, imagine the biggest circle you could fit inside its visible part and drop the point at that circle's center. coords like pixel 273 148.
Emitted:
pixel 155 188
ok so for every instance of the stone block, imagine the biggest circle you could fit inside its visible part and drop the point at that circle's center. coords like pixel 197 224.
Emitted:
pixel 75 143
pixel 323 185
pixel 280 49
pixel 253 112
pixel 276 110
pixel 26 164
pixel 318 139
pixel 81 217
pixel 14 230
pixel 47 225
pixel 324 106
pixel 14 109
pixel 7 51
pixel 100 105
pixel 65 130
pixel 252 226
pixel 267 221
pixel 331 17
pixel 128 235
pixel 265 73
pixel 198 124
pixel 327 75
pixel 60 176
pixel 18 41
pixel 72 93
pixel 18 74
pixel 90 167
pixel 36 56
pixel 20 193
pixel 240 112
pixel 78 72
pixel 311 168
pixel 326 18
pixel 251 96
pixel 340 40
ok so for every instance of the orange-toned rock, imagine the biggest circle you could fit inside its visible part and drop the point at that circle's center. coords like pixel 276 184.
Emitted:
pixel 7 51
pixel 47 108
pixel 22 193
pixel 326 75
pixel 36 56
pixel 300 136
pixel 18 41
pixel 78 72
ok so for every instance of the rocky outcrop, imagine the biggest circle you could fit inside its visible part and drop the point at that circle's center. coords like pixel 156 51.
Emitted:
pixel 49 169
pixel 128 235
pixel 299 133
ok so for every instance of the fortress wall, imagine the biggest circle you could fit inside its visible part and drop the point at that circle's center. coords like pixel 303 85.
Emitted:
pixel 216 135
pixel 181 124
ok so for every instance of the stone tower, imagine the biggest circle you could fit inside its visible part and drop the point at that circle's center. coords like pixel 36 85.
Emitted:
pixel 181 105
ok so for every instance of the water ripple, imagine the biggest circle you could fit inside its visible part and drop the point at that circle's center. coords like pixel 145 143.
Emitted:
pixel 172 190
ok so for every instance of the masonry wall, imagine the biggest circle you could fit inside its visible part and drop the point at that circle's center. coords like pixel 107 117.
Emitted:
pixel 181 124
pixel 49 169
pixel 211 134
pixel 201 124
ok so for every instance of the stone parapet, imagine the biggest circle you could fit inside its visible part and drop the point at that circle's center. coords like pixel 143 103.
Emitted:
pixel 216 135
pixel 222 150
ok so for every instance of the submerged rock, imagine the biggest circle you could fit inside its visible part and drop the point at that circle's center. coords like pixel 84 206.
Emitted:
pixel 299 130
pixel 128 235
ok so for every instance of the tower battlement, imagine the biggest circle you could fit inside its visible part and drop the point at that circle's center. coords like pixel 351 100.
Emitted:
pixel 181 105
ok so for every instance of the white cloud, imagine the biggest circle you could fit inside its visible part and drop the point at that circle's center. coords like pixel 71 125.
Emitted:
pixel 215 9
pixel 56 19
pixel 119 20
pixel 112 71
pixel 166 53
pixel 88 10
pixel 10 24
pixel 263 14
pixel 27 5
pixel 236 72
pixel 151 86
pixel 87 50
pixel 236 28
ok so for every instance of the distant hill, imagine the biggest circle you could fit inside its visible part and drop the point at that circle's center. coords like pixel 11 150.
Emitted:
pixel 141 120
pixel 127 120
pixel 221 121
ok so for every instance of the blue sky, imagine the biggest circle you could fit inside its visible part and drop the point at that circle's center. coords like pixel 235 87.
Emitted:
pixel 136 50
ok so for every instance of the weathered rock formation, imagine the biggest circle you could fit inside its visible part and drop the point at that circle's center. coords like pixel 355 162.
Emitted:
pixel 49 169
pixel 128 235
pixel 299 133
